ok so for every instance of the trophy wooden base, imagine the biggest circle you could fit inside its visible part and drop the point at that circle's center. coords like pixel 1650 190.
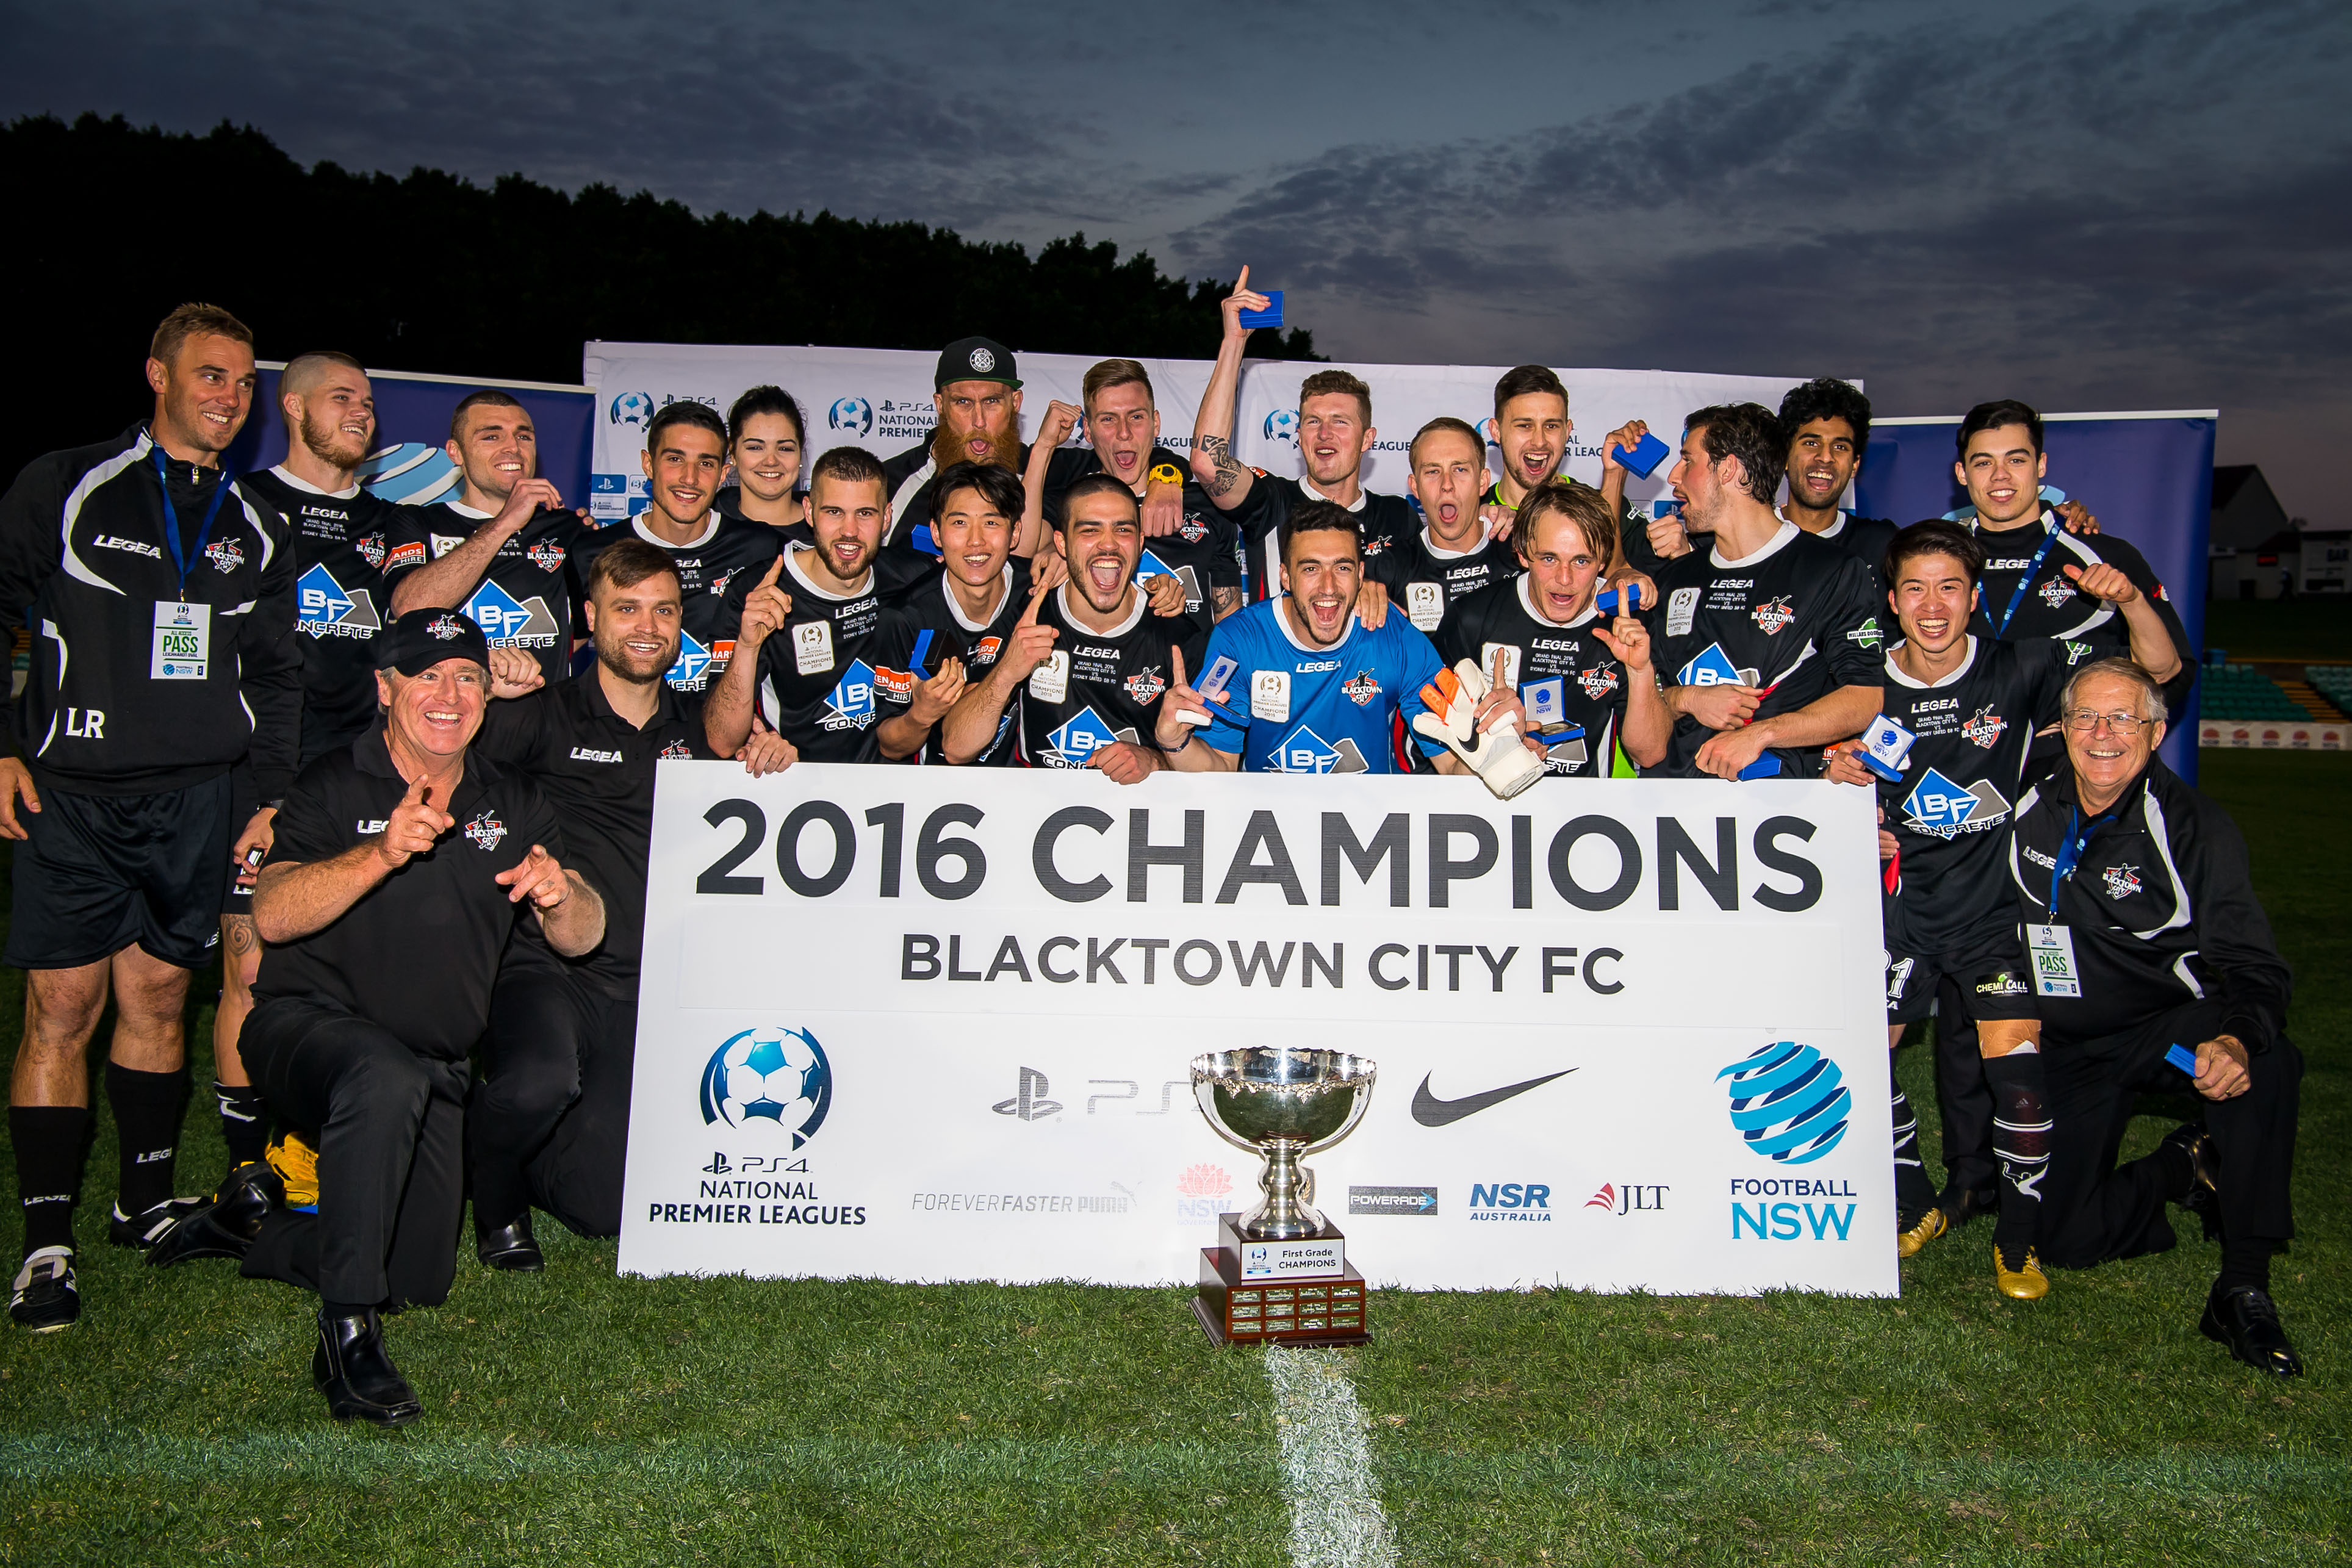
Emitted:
pixel 1299 1309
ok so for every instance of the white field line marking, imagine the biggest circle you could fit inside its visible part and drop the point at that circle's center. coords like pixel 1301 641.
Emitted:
pixel 1336 1518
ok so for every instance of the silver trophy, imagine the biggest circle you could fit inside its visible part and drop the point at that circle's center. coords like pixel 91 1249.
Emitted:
pixel 1285 1103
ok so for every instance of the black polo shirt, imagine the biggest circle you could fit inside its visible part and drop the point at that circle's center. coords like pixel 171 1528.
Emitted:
pixel 597 770
pixel 419 952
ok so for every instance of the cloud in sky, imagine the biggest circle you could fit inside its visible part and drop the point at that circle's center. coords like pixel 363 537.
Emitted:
pixel 2106 206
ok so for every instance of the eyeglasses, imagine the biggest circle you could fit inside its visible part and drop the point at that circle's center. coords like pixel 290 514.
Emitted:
pixel 2082 721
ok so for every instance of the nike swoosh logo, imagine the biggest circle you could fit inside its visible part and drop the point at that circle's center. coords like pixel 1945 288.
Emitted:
pixel 1431 1112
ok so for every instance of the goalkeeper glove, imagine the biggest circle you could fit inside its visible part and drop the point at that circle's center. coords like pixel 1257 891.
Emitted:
pixel 1499 756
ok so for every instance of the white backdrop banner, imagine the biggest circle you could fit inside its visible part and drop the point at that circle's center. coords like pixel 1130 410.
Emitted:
pixel 934 1024
pixel 881 399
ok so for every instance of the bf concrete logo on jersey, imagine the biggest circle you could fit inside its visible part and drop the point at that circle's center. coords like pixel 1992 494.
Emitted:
pixel 411 473
pixel 854 414
pixel 779 1077
pixel 1788 1103
pixel 330 610
pixel 632 410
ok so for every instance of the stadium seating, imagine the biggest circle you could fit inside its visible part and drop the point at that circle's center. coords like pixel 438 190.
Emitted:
pixel 2241 691
pixel 2333 683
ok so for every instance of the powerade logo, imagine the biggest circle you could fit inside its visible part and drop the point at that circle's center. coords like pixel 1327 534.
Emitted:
pixel 854 414
pixel 780 1076
pixel 329 611
pixel 632 410
pixel 1788 1103
pixel 850 704
pixel 1410 1201
pixel 1282 425
pixel 693 659
pixel 1074 744
pixel 411 473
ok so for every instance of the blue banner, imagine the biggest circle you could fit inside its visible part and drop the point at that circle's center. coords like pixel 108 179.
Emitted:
pixel 411 463
pixel 2149 478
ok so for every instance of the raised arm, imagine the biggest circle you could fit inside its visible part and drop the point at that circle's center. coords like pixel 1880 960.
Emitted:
pixel 727 715
pixel 1225 480
pixel 449 581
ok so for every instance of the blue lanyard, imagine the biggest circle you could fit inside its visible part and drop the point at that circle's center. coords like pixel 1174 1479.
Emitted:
pixel 2070 852
pixel 181 557
pixel 2049 538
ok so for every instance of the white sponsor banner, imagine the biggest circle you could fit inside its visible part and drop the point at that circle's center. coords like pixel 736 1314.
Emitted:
pixel 881 399
pixel 930 1023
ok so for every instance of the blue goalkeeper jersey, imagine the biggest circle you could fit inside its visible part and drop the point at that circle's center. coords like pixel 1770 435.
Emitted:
pixel 1340 709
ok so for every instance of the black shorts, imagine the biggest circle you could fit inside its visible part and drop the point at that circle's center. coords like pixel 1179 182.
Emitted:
pixel 1986 965
pixel 244 800
pixel 98 873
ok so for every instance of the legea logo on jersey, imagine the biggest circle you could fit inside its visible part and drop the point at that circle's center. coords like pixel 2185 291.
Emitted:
pixel 776 1076
pixel 508 623
pixel 693 659
pixel 1788 1103
pixel 412 473
pixel 632 410
pixel 1075 742
pixel 1305 752
pixel 1282 425
pixel 1940 808
pixel 1711 667
pixel 850 704
pixel 854 414
pixel 329 611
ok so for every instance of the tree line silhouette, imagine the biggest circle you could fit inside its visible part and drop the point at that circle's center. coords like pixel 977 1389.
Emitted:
pixel 431 272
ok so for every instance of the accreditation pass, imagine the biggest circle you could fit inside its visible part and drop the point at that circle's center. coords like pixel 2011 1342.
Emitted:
pixel 2052 950
pixel 184 641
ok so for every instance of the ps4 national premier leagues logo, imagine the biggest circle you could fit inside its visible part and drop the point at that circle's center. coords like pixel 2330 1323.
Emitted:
pixel 778 1075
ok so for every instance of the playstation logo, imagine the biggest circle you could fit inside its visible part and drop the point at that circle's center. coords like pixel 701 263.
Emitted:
pixel 1030 1104
pixel 719 1165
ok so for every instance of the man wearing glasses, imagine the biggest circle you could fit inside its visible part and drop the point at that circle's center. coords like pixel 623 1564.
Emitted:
pixel 2155 971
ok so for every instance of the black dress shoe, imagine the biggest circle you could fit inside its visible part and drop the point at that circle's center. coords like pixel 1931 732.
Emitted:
pixel 351 1368
pixel 2245 1319
pixel 224 1226
pixel 2204 1196
pixel 510 1248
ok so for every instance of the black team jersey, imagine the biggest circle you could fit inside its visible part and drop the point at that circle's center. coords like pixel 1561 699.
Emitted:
pixel 832 672
pixel 1951 811
pixel 707 566
pixel 2033 559
pixel 1865 539
pixel 340 600
pixel 931 609
pixel 1796 618
pixel 525 599
pixel 1204 553
pixel 1388 521
pixel 1099 687
pixel 1572 687
pixel 1425 580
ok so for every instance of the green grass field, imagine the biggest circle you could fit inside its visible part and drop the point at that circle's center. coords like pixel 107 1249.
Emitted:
pixel 580 1417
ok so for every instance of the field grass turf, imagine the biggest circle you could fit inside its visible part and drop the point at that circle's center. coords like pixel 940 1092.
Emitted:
pixel 578 1417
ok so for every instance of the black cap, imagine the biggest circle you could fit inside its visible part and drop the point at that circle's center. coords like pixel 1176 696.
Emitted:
pixel 422 638
pixel 976 359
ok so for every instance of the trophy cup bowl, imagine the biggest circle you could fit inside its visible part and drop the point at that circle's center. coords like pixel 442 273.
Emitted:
pixel 1284 1103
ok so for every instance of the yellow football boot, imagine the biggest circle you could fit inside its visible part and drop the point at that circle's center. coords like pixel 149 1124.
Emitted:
pixel 1932 1224
pixel 296 1164
pixel 2024 1283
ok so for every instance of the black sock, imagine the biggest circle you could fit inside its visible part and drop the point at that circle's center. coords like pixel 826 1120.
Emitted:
pixel 1913 1192
pixel 147 1107
pixel 245 1120
pixel 2247 1262
pixel 48 1140
pixel 2020 1141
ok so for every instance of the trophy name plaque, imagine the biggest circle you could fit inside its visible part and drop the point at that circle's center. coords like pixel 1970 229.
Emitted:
pixel 1280 1273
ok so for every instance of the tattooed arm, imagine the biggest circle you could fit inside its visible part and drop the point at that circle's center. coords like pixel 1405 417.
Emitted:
pixel 1226 481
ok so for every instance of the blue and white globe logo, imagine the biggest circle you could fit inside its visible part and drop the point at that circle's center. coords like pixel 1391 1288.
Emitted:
pixel 1282 425
pixel 854 414
pixel 409 473
pixel 769 1075
pixel 1790 1102
pixel 632 408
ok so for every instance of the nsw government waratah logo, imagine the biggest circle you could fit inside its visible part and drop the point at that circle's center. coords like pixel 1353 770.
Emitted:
pixel 1788 1103
pixel 777 1076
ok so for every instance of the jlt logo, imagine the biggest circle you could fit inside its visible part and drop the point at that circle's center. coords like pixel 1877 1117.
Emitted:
pixel 1031 1103
pixel 1632 1197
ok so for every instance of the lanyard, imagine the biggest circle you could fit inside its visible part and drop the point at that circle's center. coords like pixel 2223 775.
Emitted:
pixel 2049 538
pixel 2070 852
pixel 180 556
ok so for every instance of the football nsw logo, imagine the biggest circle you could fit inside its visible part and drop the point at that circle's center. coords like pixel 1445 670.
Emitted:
pixel 1942 809
pixel 410 473
pixel 777 1076
pixel 854 414
pixel 328 610
pixel 1788 1103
